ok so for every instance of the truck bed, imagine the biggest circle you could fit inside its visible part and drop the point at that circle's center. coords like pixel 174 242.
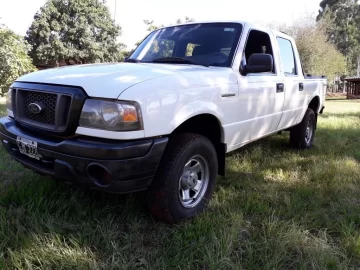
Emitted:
pixel 312 77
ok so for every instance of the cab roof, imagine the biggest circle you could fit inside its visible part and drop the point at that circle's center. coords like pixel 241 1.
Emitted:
pixel 244 23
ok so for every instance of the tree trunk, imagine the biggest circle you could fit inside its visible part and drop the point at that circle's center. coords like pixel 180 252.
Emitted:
pixel 358 66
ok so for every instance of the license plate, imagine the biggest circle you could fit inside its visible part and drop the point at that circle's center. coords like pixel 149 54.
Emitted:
pixel 28 147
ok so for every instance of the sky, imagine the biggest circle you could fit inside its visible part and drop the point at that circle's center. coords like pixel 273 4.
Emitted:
pixel 130 14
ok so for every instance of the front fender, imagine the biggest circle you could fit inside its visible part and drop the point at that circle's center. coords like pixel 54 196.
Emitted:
pixel 193 109
pixel 164 110
pixel 169 101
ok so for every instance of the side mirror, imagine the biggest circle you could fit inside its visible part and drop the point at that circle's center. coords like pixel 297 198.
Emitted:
pixel 258 62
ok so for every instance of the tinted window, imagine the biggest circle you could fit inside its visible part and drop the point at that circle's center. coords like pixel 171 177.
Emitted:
pixel 287 56
pixel 211 44
pixel 258 42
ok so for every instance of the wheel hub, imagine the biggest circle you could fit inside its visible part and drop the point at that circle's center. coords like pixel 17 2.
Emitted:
pixel 189 179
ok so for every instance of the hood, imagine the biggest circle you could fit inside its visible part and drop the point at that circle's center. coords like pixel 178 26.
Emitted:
pixel 107 80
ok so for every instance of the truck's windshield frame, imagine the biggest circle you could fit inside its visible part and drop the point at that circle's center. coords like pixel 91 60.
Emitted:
pixel 207 44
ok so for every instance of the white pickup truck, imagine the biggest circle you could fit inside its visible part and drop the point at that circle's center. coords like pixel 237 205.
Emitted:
pixel 163 120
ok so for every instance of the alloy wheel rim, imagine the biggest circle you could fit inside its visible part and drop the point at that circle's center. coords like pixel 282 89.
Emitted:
pixel 309 132
pixel 194 181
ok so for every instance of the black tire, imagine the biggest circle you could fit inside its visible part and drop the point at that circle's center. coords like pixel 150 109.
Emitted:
pixel 163 196
pixel 302 135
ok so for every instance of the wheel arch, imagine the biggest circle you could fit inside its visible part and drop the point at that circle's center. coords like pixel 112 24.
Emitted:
pixel 315 104
pixel 207 125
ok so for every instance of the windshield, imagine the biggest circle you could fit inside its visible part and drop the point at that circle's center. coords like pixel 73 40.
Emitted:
pixel 209 44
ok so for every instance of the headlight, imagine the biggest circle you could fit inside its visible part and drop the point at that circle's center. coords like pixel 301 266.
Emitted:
pixel 111 115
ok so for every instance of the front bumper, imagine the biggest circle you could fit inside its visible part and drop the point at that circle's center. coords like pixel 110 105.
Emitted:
pixel 127 165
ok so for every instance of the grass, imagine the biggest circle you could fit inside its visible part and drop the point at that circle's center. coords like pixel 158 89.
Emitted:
pixel 335 96
pixel 277 208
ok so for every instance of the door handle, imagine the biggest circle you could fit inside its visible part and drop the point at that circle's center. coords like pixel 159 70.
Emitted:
pixel 279 87
pixel 301 86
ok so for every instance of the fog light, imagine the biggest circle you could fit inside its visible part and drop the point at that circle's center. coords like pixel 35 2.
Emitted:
pixel 100 175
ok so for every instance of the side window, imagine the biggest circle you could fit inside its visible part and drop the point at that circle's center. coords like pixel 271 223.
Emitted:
pixel 258 42
pixel 287 56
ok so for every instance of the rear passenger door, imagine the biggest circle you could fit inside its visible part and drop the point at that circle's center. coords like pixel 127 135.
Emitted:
pixel 293 80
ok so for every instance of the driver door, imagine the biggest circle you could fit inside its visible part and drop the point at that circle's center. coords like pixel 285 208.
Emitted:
pixel 261 95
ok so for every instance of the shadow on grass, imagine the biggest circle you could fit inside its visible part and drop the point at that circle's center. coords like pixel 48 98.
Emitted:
pixel 276 208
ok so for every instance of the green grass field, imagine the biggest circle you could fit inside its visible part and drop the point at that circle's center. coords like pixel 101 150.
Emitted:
pixel 277 208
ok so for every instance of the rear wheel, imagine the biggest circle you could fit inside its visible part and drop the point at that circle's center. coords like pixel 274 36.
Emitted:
pixel 185 179
pixel 302 135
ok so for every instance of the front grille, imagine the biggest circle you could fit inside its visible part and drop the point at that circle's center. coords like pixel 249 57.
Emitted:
pixel 47 100
pixel 54 110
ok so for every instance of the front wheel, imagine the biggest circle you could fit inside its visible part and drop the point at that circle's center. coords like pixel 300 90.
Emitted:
pixel 185 178
pixel 302 135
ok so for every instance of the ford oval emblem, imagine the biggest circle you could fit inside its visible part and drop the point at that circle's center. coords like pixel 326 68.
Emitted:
pixel 35 108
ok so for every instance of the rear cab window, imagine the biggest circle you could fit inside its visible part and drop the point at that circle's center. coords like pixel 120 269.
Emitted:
pixel 190 48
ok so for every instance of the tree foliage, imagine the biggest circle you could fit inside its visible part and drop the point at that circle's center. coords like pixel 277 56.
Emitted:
pixel 78 31
pixel 318 55
pixel 151 26
pixel 342 20
pixel 14 60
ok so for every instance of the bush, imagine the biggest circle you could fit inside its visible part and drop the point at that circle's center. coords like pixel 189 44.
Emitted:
pixel 14 60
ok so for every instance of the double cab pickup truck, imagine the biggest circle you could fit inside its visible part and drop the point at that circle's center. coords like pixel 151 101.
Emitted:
pixel 165 118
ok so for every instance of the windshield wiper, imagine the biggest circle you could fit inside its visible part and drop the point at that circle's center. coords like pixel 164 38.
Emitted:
pixel 132 60
pixel 175 60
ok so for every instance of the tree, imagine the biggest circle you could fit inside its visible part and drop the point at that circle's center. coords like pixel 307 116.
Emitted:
pixel 78 31
pixel 342 19
pixel 14 60
pixel 318 55
pixel 152 27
